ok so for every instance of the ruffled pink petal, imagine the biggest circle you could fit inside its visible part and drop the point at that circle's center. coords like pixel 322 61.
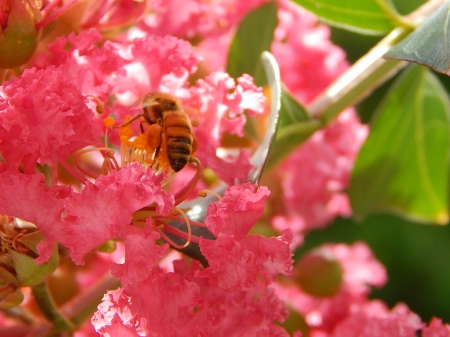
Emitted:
pixel 241 206
pixel 104 211
pixel 44 119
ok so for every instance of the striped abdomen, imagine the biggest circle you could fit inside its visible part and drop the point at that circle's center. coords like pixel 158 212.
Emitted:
pixel 178 132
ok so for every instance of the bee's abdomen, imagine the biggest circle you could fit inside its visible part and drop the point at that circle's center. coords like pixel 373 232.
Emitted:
pixel 178 139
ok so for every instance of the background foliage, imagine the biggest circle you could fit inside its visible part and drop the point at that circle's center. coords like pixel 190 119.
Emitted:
pixel 417 256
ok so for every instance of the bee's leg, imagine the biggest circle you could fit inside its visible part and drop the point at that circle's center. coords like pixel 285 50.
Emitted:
pixel 154 138
pixel 141 126
pixel 128 122
pixel 159 123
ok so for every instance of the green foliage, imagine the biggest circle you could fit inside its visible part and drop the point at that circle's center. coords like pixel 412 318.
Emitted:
pixel 253 37
pixel 294 127
pixel 428 44
pixel 403 165
pixel 29 273
pixel 365 17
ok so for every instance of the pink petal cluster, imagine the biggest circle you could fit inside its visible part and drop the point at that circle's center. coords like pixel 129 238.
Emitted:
pixel 197 18
pixel 43 119
pixel 360 271
pixel 133 68
pixel 82 221
pixel 375 319
pixel 221 103
pixel 436 329
pixel 316 175
pixel 104 211
pixel 104 14
pixel 25 196
pixel 87 64
pixel 209 301
pixel 308 60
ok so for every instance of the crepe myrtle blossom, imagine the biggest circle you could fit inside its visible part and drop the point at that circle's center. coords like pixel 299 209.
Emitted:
pixel 330 296
pixel 192 300
pixel 313 179
pixel 374 318
pixel 315 176
pixel 95 183
pixel 329 281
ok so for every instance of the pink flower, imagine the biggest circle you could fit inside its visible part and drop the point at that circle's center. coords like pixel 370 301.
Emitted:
pixel 373 319
pixel 25 196
pixel 43 119
pixel 436 329
pixel 155 64
pixel 110 14
pixel 238 211
pixel 316 175
pixel 360 270
pixel 194 300
pixel 198 18
pixel 141 249
pixel 104 211
pixel 221 105
pixel 165 305
pixel 88 66
pixel 308 60
pixel 241 264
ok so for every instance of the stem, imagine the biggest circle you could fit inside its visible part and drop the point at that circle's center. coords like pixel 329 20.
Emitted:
pixel 394 16
pixel 366 74
pixel 49 309
pixel 25 331
pixel 358 81
pixel 82 306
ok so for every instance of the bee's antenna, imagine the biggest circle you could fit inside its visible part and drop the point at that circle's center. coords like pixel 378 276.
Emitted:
pixel 128 122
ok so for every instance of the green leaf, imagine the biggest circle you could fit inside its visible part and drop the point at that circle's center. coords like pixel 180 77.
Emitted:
pixel 254 35
pixel 29 273
pixel 403 165
pixel 429 44
pixel 364 17
pixel 294 127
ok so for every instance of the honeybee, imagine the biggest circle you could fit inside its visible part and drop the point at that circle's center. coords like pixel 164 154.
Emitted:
pixel 169 127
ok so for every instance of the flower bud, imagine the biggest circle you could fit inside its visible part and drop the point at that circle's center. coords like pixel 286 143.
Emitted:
pixel 18 40
pixel 295 322
pixel 319 274
pixel 10 299
pixel 28 272
pixel 10 292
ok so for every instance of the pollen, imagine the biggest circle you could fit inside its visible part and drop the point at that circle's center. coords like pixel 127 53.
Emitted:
pixel 109 122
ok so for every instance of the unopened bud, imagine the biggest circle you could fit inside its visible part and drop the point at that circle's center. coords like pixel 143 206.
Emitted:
pixel 319 273
pixel 18 40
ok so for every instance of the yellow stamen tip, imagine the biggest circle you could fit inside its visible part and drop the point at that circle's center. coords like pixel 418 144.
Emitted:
pixel 109 122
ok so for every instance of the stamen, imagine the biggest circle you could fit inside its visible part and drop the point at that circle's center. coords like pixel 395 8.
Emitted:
pixel 113 160
pixel 54 15
pixel 178 233
pixel 193 223
pixel 166 238
pixel 204 193
pixel 181 235
pixel 186 220
pixel 74 173
pixel 107 166
pixel 109 122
